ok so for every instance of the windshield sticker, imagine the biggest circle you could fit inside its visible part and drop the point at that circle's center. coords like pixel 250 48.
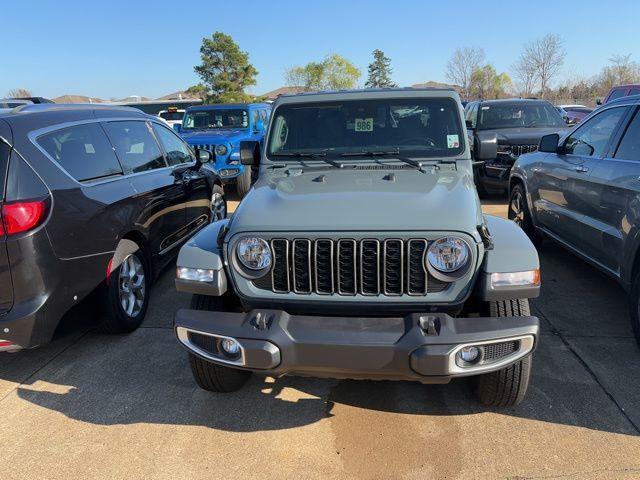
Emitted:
pixel 453 141
pixel 364 124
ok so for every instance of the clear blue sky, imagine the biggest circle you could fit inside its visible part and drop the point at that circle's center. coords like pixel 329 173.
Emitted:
pixel 117 48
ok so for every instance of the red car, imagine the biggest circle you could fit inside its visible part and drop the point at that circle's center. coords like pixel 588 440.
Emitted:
pixel 621 91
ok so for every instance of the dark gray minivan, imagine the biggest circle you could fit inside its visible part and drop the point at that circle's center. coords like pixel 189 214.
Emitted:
pixel 91 196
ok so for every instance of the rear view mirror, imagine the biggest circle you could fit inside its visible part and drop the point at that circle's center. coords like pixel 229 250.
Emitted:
pixel 249 153
pixel 549 143
pixel 485 145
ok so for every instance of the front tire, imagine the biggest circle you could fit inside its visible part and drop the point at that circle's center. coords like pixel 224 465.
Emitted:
pixel 520 214
pixel 634 308
pixel 243 182
pixel 210 376
pixel 506 387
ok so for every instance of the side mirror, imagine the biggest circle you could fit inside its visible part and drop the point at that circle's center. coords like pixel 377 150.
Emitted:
pixel 485 145
pixel 598 102
pixel 549 143
pixel 203 156
pixel 259 126
pixel 177 127
pixel 249 153
pixel 469 124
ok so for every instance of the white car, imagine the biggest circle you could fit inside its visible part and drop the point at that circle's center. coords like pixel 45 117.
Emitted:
pixel 172 116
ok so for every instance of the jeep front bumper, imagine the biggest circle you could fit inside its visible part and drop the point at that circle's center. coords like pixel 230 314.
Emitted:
pixel 422 347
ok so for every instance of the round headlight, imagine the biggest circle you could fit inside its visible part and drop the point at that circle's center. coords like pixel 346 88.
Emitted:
pixel 221 150
pixel 448 254
pixel 254 253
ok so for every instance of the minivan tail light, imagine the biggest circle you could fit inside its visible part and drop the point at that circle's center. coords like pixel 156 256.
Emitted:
pixel 19 217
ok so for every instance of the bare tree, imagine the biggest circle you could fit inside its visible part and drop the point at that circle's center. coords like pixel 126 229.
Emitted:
pixel 546 56
pixel 525 75
pixel 19 93
pixel 461 66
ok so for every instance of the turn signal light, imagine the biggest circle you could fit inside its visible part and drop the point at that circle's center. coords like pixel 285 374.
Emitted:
pixel 19 217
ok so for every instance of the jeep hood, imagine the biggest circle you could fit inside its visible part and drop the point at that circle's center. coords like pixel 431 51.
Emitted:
pixel 213 136
pixel 360 200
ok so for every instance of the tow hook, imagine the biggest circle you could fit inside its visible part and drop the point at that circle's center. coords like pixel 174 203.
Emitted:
pixel 430 325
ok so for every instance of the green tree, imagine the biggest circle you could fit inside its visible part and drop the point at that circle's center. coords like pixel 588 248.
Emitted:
pixel 198 91
pixel 225 70
pixel 379 75
pixel 486 83
pixel 333 73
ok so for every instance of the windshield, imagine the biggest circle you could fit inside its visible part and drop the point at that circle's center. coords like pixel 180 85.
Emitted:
pixel 419 127
pixel 518 114
pixel 218 118
pixel 172 115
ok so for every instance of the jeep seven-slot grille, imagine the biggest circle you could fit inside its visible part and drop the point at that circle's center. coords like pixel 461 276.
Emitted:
pixel 349 267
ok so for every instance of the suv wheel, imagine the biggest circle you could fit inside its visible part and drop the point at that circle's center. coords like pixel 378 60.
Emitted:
pixel 506 387
pixel 210 376
pixel 243 182
pixel 218 204
pixel 634 308
pixel 127 296
pixel 520 214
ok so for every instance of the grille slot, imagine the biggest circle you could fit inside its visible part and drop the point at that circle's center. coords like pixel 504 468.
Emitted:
pixel 280 270
pixel 417 275
pixel 302 266
pixel 347 267
pixel 324 266
pixel 393 262
pixel 390 267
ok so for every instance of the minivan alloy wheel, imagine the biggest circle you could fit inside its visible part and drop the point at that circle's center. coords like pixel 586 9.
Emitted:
pixel 218 207
pixel 131 285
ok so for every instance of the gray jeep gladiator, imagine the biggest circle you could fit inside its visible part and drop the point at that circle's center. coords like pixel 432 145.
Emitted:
pixel 362 252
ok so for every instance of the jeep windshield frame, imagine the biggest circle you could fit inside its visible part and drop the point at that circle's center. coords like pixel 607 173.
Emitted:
pixel 216 119
pixel 348 130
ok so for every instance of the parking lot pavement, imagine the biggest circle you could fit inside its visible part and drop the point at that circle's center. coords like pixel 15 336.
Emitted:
pixel 96 406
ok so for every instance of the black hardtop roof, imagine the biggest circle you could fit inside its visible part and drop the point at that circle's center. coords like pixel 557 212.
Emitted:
pixel 370 90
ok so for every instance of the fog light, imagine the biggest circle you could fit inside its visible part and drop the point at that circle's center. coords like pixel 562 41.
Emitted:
pixel 195 274
pixel 469 354
pixel 230 346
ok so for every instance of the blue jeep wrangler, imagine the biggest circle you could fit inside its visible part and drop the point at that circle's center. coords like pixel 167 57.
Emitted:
pixel 220 129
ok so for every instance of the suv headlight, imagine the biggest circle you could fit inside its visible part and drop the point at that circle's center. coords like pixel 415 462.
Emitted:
pixel 254 253
pixel 221 150
pixel 448 254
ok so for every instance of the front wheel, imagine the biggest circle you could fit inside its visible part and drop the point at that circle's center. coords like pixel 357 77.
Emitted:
pixel 506 387
pixel 210 376
pixel 634 308
pixel 519 212
pixel 243 182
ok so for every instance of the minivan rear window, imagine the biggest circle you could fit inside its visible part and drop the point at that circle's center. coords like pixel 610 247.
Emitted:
pixel 83 151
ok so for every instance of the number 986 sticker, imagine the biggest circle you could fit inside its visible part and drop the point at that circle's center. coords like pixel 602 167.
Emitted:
pixel 364 125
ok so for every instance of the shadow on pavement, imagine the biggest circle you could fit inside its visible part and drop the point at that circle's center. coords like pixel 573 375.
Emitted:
pixel 144 377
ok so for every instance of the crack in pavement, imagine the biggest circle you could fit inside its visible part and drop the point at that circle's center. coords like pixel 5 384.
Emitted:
pixel 593 374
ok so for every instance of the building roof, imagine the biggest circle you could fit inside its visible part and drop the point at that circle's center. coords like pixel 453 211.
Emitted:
pixel 273 94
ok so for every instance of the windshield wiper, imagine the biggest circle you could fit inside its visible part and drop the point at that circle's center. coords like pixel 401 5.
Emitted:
pixel 314 156
pixel 381 153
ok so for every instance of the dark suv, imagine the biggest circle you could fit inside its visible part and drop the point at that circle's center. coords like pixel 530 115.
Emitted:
pixel 583 190
pixel 519 124
pixel 91 196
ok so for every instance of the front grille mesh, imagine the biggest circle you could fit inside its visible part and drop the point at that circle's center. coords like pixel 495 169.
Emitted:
pixel 389 267
pixel 517 150
pixel 496 351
